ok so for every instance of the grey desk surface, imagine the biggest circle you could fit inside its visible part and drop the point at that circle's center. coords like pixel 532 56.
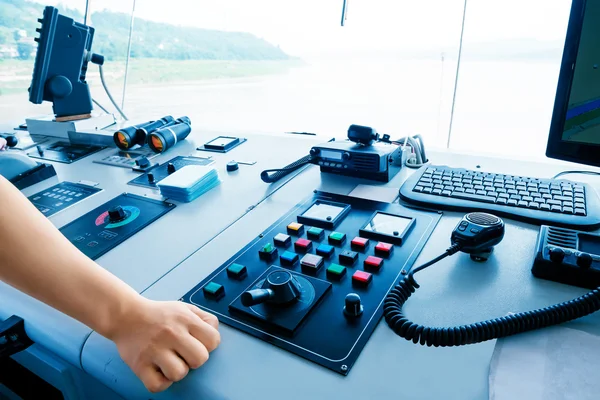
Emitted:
pixel 455 292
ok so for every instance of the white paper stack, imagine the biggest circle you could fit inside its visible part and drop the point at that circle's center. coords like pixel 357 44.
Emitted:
pixel 189 183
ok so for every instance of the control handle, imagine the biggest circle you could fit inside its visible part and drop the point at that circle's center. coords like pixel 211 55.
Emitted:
pixel 256 296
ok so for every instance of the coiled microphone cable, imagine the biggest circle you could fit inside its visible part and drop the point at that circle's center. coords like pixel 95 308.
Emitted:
pixel 480 331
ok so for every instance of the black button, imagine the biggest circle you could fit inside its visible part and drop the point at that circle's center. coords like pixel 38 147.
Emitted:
pixel 348 258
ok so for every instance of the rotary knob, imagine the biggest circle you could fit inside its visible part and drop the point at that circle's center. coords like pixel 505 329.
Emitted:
pixel 116 214
pixel 279 288
pixel 346 156
pixel 314 152
pixel 557 255
pixel 352 306
pixel 584 260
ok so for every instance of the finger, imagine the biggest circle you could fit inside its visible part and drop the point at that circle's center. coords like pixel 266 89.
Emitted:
pixel 206 317
pixel 192 351
pixel 207 334
pixel 154 380
pixel 171 365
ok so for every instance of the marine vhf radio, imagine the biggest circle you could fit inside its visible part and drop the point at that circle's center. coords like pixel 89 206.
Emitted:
pixel 364 155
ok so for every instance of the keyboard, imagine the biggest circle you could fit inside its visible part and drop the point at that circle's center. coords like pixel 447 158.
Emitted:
pixel 540 201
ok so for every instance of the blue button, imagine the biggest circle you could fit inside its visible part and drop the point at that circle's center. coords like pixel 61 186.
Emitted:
pixel 288 258
pixel 325 250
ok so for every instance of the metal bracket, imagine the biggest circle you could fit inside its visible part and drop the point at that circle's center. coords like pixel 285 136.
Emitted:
pixel 13 338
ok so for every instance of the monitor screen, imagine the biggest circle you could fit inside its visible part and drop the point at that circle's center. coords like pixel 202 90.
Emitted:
pixel 575 130
pixel 582 120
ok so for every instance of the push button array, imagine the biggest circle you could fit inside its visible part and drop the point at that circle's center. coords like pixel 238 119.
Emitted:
pixel 384 249
pixel 303 245
pixel 237 271
pixel 267 253
pixel 295 229
pixel 213 290
pixel 359 243
pixel 282 240
pixel 315 233
pixel 337 238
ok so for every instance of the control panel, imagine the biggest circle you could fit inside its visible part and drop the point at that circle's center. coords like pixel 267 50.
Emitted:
pixel 568 256
pixel 314 282
pixel 61 196
pixel 160 172
pixel 109 225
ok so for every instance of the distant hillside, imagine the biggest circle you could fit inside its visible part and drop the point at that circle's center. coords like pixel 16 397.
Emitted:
pixel 150 39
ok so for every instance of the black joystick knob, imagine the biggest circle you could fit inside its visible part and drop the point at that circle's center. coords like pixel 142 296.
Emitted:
pixel 557 255
pixel 584 260
pixel 11 141
pixel 279 288
pixel 150 177
pixel 116 214
pixel 345 156
pixel 170 168
pixel 352 305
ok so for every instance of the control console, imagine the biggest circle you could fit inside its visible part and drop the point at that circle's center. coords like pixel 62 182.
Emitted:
pixel 314 282
pixel 568 256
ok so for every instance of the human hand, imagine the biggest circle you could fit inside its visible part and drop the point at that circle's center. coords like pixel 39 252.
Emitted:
pixel 2 144
pixel 161 341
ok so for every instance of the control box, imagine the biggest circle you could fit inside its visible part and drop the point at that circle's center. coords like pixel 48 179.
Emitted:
pixel 568 256
pixel 314 282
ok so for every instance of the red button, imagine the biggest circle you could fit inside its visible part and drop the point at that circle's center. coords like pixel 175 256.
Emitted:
pixel 373 263
pixel 359 243
pixel 303 245
pixel 384 249
pixel 362 278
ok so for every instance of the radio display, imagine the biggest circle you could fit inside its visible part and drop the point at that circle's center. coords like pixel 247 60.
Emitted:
pixel 332 155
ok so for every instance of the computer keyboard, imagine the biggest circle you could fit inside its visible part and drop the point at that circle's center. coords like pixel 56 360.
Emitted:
pixel 539 201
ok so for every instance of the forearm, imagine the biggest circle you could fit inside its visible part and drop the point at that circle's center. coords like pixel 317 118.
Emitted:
pixel 38 260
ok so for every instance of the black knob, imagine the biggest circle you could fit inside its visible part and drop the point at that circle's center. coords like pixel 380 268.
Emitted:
pixel 346 156
pixel 232 166
pixel 557 255
pixel 97 59
pixel 279 288
pixel 11 141
pixel 116 214
pixel 150 177
pixel 584 260
pixel 352 305
pixel 170 168
pixel 314 152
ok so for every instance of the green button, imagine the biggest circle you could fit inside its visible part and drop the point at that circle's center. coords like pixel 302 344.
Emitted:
pixel 213 289
pixel 315 233
pixel 268 248
pixel 337 238
pixel 336 271
pixel 236 268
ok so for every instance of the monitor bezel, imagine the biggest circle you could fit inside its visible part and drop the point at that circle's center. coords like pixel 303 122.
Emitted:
pixel 557 148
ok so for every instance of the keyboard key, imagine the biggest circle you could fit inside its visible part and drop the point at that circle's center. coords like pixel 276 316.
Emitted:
pixel 512 202
pixel 527 198
pixel 524 193
pixel 512 191
pixel 481 192
pixel 446 193
pixel 470 191
pixel 568 210
pixel 556 208
pixel 501 200
pixel 533 204
pixel 493 194
pixel 553 202
pixel 474 197
pixel 427 190
pixel 522 203
pixel 437 191
pixel 580 211
pixel 545 207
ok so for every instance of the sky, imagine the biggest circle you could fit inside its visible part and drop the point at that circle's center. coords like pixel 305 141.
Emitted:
pixel 305 27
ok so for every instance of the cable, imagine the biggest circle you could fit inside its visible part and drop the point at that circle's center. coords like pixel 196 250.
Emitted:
pixel 100 106
pixel 114 103
pixel 273 175
pixel 575 172
pixel 480 331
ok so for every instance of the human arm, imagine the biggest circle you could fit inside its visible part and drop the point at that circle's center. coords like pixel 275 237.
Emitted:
pixel 160 341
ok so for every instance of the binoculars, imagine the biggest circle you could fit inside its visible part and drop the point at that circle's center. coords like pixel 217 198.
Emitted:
pixel 160 135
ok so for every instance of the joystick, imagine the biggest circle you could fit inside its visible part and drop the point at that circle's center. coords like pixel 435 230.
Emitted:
pixel 116 214
pixel 352 306
pixel 280 288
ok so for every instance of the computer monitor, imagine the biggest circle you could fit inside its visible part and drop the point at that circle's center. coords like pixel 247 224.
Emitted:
pixel 61 62
pixel 575 128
